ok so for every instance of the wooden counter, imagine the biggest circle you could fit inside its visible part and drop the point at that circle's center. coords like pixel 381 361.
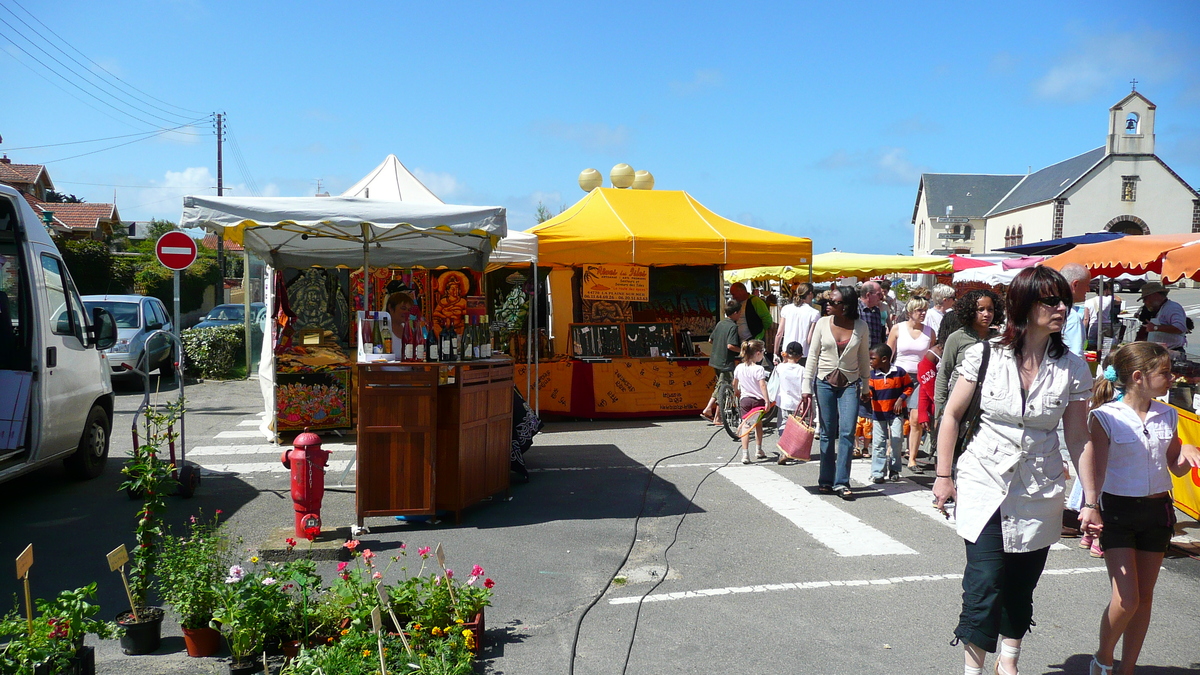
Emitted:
pixel 424 447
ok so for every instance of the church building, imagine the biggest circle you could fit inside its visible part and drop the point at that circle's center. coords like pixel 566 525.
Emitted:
pixel 1121 186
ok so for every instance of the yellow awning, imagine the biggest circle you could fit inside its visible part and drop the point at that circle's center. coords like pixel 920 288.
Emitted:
pixel 659 227
pixel 830 266
pixel 785 272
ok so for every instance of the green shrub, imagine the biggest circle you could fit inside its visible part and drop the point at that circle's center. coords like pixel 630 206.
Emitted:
pixel 90 264
pixel 214 352
pixel 158 281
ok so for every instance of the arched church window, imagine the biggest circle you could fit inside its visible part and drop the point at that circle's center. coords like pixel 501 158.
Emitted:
pixel 1132 123
pixel 1020 235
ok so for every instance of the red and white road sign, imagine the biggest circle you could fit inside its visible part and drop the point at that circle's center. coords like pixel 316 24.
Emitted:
pixel 175 250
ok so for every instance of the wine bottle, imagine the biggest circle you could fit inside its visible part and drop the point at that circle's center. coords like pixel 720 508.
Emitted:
pixel 432 342
pixel 455 352
pixel 419 338
pixel 386 332
pixel 409 341
pixel 476 338
pixel 376 334
pixel 465 343
pixel 487 339
pixel 449 343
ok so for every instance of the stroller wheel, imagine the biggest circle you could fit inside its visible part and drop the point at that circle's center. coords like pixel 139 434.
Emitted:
pixel 189 478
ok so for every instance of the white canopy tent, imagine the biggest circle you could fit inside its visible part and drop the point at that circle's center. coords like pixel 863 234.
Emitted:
pixel 344 232
pixel 992 275
pixel 392 181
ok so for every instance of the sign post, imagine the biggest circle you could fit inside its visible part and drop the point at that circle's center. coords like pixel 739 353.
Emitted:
pixel 176 251
pixel 24 562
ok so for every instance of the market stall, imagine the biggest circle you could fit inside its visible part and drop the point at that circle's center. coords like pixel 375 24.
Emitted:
pixel 433 432
pixel 635 278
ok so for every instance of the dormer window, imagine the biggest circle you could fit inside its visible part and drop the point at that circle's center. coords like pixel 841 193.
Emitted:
pixel 1132 125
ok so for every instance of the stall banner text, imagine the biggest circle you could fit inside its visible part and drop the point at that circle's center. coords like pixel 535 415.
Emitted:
pixel 553 385
pixel 1187 487
pixel 616 282
pixel 639 386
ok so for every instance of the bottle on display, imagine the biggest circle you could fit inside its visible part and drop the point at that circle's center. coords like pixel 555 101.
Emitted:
pixel 419 338
pixel 376 334
pixel 449 342
pixel 386 332
pixel 409 342
pixel 455 353
pixel 431 343
pixel 466 352
pixel 476 338
pixel 487 339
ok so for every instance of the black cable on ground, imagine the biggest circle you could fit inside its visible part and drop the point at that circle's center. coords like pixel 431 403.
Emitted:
pixel 629 551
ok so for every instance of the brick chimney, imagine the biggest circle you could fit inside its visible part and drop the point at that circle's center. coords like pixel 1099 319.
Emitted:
pixel 5 159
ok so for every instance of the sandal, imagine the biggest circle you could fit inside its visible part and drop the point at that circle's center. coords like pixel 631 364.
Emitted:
pixel 846 494
pixel 825 489
pixel 1097 668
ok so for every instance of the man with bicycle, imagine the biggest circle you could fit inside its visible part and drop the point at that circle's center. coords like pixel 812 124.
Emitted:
pixel 726 345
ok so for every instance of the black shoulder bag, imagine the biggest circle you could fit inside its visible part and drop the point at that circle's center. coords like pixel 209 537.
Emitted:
pixel 969 423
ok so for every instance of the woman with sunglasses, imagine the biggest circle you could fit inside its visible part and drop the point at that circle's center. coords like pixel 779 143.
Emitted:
pixel 1009 483
pixel 839 361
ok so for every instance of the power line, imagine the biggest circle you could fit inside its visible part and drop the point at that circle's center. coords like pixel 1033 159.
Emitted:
pixel 140 187
pixel 85 80
pixel 188 110
pixel 112 147
pixel 87 70
pixel 94 140
pixel 242 167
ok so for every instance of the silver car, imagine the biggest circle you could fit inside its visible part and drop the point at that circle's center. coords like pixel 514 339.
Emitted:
pixel 137 316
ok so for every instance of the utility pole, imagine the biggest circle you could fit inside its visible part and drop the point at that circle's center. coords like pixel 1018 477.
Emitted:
pixel 219 297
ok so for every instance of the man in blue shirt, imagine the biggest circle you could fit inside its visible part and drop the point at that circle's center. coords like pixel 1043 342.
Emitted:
pixel 1078 277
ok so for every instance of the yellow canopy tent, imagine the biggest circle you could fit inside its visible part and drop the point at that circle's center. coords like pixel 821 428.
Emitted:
pixel 830 266
pixel 784 272
pixel 658 227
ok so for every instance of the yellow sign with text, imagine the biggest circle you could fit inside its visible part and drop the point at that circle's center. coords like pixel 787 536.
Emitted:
pixel 623 283
pixel 1186 489
pixel 639 386
pixel 553 385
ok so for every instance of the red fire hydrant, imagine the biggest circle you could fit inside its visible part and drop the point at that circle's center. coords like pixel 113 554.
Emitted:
pixel 307 461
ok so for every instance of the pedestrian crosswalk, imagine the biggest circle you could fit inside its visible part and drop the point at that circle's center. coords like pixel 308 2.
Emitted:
pixel 243 450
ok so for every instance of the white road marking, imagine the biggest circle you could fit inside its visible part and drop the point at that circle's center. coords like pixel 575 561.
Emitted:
pixel 240 434
pixel 263 449
pixel 829 525
pixel 910 494
pixel 634 467
pixel 250 423
pixel 809 585
pixel 335 465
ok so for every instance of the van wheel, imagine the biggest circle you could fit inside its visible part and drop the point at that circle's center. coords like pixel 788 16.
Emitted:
pixel 89 460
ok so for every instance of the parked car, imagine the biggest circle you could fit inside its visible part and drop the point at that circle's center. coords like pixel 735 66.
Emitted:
pixel 56 401
pixel 234 315
pixel 137 316
pixel 1126 283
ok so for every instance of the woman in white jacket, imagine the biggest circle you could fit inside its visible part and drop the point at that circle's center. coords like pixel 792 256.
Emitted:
pixel 1010 478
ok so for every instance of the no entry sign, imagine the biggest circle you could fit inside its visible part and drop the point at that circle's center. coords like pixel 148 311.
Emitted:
pixel 175 250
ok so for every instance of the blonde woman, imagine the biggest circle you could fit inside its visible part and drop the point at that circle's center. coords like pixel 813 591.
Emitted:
pixel 909 341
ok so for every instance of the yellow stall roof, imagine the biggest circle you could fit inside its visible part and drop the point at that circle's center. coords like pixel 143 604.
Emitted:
pixel 837 264
pixel 659 227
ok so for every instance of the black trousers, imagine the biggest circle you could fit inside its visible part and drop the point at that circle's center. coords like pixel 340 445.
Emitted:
pixel 997 589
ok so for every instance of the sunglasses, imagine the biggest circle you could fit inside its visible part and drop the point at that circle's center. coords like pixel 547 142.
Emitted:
pixel 837 302
pixel 1053 301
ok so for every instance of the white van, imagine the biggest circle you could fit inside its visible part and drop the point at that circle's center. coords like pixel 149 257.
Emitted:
pixel 56 400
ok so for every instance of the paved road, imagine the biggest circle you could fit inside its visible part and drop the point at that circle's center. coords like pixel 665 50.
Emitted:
pixel 764 576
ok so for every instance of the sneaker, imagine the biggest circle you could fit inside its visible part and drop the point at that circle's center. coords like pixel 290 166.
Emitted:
pixel 1085 542
pixel 1096 551
pixel 877 479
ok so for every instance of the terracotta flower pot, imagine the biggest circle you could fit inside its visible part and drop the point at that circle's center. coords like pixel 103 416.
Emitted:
pixel 291 648
pixel 201 642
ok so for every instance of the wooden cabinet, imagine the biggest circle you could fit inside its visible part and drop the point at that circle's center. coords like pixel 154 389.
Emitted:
pixel 474 434
pixel 424 447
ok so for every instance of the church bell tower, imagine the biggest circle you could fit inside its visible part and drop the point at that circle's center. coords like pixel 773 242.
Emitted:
pixel 1131 126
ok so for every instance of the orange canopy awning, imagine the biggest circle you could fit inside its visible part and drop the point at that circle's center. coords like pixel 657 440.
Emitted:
pixel 1136 254
pixel 659 227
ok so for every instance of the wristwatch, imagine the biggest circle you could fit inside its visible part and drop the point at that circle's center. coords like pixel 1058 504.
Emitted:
pixel 1094 507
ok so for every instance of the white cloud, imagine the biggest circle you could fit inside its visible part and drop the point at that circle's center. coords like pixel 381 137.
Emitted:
pixel 840 159
pixel 444 185
pixel 702 80
pixel 1098 63
pixel 591 136
pixel 164 198
pixel 894 168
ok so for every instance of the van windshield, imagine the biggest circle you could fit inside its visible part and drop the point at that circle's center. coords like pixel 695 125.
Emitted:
pixel 126 313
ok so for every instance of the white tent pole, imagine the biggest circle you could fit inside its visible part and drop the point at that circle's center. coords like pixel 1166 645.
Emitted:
pixel 366 269
pixel 531 357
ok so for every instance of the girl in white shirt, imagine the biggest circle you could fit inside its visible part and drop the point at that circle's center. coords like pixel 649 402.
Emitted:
pixel 750 383
pixel 1134 448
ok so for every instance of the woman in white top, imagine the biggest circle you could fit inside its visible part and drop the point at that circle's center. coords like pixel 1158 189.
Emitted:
pixel 1009 484
pixel 796 321
pixel 909 341
pixel 839 361
pixel 1134 450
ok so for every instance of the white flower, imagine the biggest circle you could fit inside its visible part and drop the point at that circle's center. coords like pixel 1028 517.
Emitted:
pixel 471 579
pixel 268 581
pixel 236 574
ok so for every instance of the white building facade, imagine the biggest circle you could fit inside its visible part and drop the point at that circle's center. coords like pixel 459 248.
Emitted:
pixel 1120 187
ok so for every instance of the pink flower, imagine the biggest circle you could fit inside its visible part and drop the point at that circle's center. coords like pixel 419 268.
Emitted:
pixel 437 580
pixel 236 574
pixel 345 576
pixel 219 512
pixel 423 551
pixel 367 554
pixel 476 571
pixel 377 575
pixel 471 580
pixel 402 546
pixel 488 583
pixel 352 544
pixel 342 566
pixel 449 574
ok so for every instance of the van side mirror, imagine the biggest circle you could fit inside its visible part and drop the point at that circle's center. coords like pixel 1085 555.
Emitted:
pixel 104 328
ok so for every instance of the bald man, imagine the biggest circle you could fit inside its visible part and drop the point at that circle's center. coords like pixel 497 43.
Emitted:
pixel 756 316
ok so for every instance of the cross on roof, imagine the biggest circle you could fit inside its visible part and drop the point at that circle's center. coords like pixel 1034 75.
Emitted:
pixel 1133 83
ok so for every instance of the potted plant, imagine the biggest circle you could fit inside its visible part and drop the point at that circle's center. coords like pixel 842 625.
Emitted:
pixel 249 608
pixel 191 569
pixel 56 643
pixel 443 602
pixel 151 477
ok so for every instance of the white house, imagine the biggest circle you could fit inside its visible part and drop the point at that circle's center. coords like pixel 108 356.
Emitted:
pixel 1121 187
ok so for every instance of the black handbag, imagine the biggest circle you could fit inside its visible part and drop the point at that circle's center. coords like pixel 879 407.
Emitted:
pixel 970 420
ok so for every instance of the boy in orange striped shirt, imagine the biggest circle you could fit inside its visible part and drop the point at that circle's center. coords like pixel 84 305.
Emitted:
pixel 890 386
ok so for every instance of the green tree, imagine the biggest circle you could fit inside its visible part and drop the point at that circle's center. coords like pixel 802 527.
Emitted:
pixel 158 228
pixel 543 214
pixel 56 197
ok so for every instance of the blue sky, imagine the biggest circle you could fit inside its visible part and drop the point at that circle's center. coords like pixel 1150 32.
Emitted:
pixel 814 119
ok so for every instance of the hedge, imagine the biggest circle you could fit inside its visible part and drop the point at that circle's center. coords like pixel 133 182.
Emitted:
pixel 214 352
pixel 155 280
